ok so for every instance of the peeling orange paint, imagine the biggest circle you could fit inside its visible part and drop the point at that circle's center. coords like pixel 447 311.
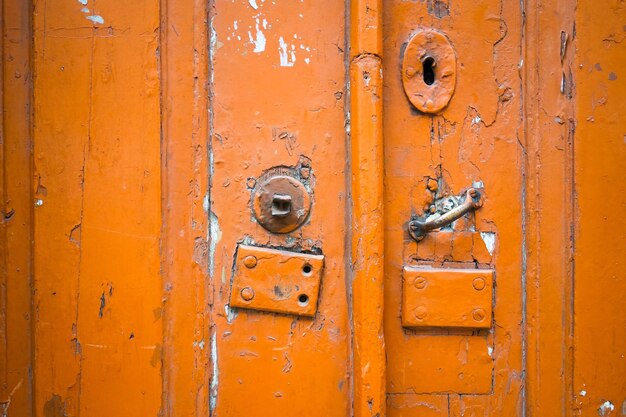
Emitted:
pixel 135 137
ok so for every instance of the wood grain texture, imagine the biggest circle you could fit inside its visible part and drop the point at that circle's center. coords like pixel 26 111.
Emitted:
pixel 97 172
pixel 16 206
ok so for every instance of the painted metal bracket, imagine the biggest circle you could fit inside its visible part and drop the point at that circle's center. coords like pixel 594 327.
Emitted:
pixel 279 281
pixel 447 297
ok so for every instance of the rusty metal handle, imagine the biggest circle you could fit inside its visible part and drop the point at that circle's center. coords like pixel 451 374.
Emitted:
pixel 418 229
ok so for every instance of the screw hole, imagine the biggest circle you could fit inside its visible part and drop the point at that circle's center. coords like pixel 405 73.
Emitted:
pixel 303 300
pixel 307 269
pixel 429 70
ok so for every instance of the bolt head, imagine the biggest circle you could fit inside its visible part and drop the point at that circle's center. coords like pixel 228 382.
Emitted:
pixel 247 293
pixel 249 261
pixel 478 284
pixel 420 283
pixel 420 312
pixel 479 314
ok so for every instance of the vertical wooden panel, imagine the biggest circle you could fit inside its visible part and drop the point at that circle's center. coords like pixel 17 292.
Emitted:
pixel 367 231
pixel 184 55
pixel 278 98
pixel 473 142
pixel 600 280
pixel 15 210
pixel 97 214
pixel 548 140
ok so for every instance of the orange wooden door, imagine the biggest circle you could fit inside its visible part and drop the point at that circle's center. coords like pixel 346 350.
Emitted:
pixel 301 208
pixel 453 317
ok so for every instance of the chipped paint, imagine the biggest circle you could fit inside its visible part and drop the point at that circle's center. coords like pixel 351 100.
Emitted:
pixel 287 55
pixel 215 374
pixel 490 241
pixel 606 408
pixel 95 18
pixel 259 39
pixel 215 235
pixel 231 313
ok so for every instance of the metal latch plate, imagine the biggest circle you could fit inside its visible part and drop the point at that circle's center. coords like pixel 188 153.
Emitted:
pixel 274 280
pixel 447 297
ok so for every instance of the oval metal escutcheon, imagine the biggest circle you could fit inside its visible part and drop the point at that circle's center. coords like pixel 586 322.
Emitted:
pixel 429 71
pixel 281 203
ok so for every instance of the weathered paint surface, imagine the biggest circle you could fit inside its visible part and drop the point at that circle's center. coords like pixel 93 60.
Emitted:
pixel 282 106
pixel 599 360
pixel 474 140
pixel 16 222
pixel 97 295
pixel 131 139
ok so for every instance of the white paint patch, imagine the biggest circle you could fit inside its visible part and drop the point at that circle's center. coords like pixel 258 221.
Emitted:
pixel 38 202
pixel 96 18
pixel 606 408
pixel 83 2
pixel 583 393
pixel 235 25
pixel 478 184
pixel 205 203
pixel 490 241
pixel 215 372
pixel 307 60
pixel 230 313
pixel 253 4
pixel 259 40
pixel 287 58
pixel 215 235
pixel 213 43
pixel 476 120
pixel 84 10
pixel 489 350
pixel 199 344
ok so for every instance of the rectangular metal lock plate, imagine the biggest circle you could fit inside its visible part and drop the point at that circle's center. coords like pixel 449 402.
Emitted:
pixel 447 297
pixel 274 280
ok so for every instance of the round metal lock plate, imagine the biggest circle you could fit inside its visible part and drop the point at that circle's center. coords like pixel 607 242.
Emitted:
pixel 281 203
pixel 429 71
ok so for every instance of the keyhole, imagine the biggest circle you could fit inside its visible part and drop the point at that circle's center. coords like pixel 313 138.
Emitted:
pixel 429 70
pixel 281 205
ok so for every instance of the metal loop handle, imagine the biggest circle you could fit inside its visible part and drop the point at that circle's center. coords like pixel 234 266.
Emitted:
pixel 418 229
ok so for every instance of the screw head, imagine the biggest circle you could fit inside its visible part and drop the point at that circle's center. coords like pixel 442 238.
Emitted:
pixel 249 261
pixel 479 314
pixel 420 312
pixel 247 293
pixel 478 284
pixel 420 283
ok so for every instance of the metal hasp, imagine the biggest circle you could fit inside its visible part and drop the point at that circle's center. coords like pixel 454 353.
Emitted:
pixel 281 202
pixel 429 71
pixel 275 280
pixel 418 228
pixel 447 297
